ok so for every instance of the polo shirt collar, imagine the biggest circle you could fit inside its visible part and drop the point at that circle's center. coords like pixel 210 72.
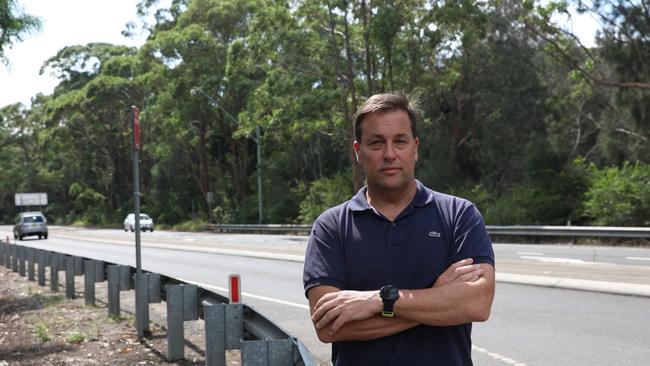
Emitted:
pixel 423 196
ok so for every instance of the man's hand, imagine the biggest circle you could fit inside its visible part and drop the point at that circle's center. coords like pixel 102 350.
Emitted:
pixel 345 306
pixel 461 271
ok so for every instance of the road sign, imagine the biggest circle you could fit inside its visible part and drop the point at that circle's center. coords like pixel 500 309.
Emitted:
pixel 31 199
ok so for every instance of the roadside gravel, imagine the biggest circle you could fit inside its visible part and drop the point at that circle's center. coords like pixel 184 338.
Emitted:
pixel 40 327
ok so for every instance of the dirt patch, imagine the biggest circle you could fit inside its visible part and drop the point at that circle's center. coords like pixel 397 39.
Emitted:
pixel 40 327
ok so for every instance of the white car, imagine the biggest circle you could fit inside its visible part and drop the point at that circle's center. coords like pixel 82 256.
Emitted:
pixel 146 222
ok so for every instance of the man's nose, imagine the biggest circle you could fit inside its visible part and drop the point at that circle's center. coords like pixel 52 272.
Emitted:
pixel 389 151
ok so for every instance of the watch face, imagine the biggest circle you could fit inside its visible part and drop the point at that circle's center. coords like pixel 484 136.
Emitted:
pixel 389 292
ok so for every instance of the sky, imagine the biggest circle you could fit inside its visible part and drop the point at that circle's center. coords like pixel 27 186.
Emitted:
pixel 79 22
pixel 64 23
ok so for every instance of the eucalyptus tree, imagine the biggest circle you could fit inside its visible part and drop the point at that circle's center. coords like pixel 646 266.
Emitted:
pixel 88 115
pixel 14 25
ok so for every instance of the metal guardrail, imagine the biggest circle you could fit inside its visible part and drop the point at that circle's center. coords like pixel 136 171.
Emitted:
pixel 563 231
pixel 572 231
pixel 227 325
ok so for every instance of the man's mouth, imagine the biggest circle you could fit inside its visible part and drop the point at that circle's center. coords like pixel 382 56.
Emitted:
pixel 390 169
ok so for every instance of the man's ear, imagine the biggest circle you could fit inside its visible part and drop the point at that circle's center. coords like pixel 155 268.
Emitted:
pixel 417 143
pixel 355 146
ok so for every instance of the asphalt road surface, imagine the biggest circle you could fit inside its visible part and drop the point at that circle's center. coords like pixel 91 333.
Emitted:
pixel 529 325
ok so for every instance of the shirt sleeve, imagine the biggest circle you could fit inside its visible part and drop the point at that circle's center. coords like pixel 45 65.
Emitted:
pixel 471 239
pixel 324 258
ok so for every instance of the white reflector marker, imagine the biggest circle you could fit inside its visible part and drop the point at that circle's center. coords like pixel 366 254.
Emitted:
pixel 234 287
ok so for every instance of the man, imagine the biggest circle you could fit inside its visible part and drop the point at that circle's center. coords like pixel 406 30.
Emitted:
pixel 397 274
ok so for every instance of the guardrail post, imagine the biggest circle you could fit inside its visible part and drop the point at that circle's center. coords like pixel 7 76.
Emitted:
pixel 254 353
pixel 21 260
pixel 142 305
pixel 214 316
pixel 154 287
pixel 30 264
pixel 275 352
pixel 114 290
pixel 174 298
pixel 125 278
pixel 14 258
pixel 99 271
pixel 8 255
pixel 69 277
pixel 40 257
pixel 234 325
pixel 89 282
pixel 78 266
pixel 280 352
pixel 54 272
pixel 182 304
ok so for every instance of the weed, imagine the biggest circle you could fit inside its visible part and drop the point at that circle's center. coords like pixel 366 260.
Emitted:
pixel 42 333
pixel 75 338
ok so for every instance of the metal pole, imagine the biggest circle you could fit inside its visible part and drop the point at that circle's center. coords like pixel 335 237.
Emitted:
pixel 140 321
pixel 259 171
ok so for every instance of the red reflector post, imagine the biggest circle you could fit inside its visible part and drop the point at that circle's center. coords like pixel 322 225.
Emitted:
pixel 234 281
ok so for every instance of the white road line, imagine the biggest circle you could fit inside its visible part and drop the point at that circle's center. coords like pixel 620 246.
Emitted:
pixel 530 253
pixel 259 297
pixel 497 356
pixel 638 258
pixel 554 260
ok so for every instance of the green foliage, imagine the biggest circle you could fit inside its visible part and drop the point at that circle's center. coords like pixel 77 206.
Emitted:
pixel 619 196
pixel 509 102
pixel 197 224
pixel 14 25
pixel 75 338
pixel 324 193
pixel 42 332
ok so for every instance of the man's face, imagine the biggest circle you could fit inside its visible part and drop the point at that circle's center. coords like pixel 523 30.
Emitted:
pixel 387 150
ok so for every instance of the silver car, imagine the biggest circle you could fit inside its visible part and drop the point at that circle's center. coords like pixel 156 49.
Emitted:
pixel 146 222
pixel 30 224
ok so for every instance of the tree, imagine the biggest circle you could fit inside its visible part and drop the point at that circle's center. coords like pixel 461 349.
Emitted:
pixel 14 25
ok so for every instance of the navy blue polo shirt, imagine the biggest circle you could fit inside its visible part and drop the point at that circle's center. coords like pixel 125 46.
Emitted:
pixel 351 247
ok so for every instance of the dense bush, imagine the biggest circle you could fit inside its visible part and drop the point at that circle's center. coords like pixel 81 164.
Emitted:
pixel 325 193
pixel 619 196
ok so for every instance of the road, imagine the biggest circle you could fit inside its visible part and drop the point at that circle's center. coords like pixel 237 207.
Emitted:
pixel 529 325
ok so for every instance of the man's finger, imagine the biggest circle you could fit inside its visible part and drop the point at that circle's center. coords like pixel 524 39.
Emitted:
pixel 460 271
pixel 322 309
pixel 471 276
pixel 327 318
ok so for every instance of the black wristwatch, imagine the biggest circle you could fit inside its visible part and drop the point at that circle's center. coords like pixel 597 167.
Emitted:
pixel 389 294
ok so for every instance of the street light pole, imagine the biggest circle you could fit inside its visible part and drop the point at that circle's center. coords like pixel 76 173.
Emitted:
pixel 141 299
pixel 258 142
pixel 259 171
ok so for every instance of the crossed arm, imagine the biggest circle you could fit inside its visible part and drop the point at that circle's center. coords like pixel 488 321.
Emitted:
pixel 462 294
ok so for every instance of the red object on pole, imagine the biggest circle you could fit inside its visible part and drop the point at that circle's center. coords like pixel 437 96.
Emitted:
pixel 136 127
pixel 235 288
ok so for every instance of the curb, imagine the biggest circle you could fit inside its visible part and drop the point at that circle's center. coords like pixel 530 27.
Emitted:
pixel 617 288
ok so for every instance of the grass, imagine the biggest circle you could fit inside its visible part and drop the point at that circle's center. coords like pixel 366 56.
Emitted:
pixel 42 332
pixel 191 225
pixel 76 338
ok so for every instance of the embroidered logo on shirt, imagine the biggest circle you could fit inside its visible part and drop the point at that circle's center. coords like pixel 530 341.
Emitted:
pixel 434 234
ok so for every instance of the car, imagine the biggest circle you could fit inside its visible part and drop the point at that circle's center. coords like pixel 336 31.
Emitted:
pixel 30 224
pixel 146 222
